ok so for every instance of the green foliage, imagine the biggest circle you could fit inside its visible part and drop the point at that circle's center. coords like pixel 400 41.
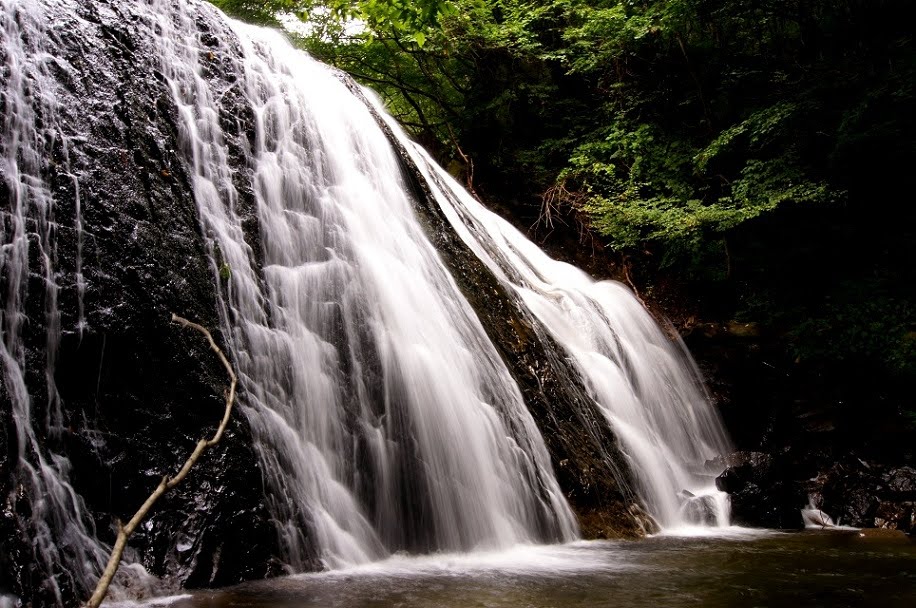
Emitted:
pixel 262 12
pixel 403 15
pixel 643 185
pixel 758 132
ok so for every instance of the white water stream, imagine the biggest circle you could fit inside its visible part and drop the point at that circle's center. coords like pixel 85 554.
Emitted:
pixel 60 530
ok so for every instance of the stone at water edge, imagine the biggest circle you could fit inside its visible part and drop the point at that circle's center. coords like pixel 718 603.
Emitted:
pixel 901 482
pixel 896 516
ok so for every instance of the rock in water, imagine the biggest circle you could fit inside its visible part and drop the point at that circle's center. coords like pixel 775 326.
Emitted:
pixel 763 492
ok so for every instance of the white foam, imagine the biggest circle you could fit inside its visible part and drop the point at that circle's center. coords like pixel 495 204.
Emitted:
pixel 567 560
pixel 723 532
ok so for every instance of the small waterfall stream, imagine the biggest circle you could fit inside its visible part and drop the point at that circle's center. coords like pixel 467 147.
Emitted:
pixel 61 531
pixel 383 415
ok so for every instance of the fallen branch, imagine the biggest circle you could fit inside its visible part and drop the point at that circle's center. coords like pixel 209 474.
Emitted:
pixel 554 200
pixel 166 484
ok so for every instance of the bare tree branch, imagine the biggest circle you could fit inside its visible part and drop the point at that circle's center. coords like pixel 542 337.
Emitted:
pixel 167 483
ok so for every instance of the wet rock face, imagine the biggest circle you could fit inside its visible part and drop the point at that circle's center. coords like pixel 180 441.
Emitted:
pixel 866 495
pixel 901 482
pixel 849 495
pixel 137 392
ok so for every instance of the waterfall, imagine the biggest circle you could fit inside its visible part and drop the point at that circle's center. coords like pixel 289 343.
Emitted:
pixel 646 383
pixel 352 290
pixel 384 417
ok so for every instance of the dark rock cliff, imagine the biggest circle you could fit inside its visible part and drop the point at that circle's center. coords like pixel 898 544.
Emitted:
pixel 832 432
pixel 137 391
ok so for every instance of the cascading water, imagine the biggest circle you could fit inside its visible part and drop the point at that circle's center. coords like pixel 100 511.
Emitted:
pixel 334 215
pixel 384 415
pixel 646 384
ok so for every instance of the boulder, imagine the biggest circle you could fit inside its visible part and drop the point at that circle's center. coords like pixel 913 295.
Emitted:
pixel 900 482
pixel 700 510
pixel 850 493
pixel 763 491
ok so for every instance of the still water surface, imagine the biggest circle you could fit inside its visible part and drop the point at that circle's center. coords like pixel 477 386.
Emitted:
pixel 737 569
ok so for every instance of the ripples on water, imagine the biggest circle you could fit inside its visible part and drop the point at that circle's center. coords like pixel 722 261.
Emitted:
pixel 737 568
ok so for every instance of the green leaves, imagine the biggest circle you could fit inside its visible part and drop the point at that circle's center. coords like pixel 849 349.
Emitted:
pixel 859 322
pixel 412 17
pixel 643 184
pixel 754 134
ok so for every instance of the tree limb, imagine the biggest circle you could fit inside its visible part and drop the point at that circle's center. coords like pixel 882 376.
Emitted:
pixel 166 484
pixel 469 163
